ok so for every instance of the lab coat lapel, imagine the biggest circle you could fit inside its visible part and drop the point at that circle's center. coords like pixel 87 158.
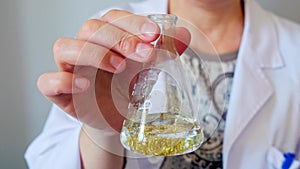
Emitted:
pixel 251 88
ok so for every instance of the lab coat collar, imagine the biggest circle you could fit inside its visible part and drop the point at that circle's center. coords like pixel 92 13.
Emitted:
pixel 261 33
pixel 251 89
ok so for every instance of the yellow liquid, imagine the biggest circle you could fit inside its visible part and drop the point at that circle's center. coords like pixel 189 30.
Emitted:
pixel 162 135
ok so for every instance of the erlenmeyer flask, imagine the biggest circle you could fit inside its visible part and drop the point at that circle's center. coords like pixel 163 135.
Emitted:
pixel 161 119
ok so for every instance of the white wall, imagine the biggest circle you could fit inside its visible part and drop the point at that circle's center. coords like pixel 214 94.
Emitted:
pixel 28 29
pixel 284 8
pixel 12 135
pixel 43 22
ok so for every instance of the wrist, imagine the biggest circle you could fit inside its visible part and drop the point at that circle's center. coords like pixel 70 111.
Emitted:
pixel 100 154
pixel 107 139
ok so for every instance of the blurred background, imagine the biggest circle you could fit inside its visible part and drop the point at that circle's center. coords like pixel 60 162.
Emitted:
pixel 28 29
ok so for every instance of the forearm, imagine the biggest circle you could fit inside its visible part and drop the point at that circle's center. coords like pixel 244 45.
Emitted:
pixel 94 157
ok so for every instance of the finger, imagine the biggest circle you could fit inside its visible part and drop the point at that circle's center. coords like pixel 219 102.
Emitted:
pixel 59 88
pixel 114 38
pixel 59 83
pixel 73 52
pixel 142 26
pixel 147 28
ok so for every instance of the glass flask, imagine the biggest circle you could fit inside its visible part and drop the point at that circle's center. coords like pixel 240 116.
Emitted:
pixel 161 119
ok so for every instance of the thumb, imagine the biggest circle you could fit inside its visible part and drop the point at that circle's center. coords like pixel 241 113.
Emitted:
pixel 182 39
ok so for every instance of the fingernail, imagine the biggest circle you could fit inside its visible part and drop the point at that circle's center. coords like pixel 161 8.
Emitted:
pixel 148 29
pixel 81 83
pixel 143 50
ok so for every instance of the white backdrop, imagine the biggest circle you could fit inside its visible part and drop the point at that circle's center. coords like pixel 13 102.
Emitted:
pixel 28 28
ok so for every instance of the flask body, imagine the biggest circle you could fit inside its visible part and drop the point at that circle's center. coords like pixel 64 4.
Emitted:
pixel 161 120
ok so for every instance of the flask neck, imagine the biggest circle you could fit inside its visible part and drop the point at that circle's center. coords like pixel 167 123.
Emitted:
pixel 166 23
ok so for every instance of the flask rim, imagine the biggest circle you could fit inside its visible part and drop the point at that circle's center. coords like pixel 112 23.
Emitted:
pixel 163 17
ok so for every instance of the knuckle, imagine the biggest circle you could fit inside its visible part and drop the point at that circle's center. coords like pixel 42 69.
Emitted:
pixel 58 47
pixel 94 56
pixel 57 44
pixel 88 29
pixel 40 81
pixel 110 15
pixel 58 84
pixel 125 42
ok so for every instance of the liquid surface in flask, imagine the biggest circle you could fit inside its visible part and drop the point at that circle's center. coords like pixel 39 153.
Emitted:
pixel 163 134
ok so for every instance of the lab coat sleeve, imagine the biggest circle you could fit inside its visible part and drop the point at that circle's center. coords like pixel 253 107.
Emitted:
pixel 58 144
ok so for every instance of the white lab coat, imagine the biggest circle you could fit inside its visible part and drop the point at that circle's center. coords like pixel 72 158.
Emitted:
pixel 263 119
